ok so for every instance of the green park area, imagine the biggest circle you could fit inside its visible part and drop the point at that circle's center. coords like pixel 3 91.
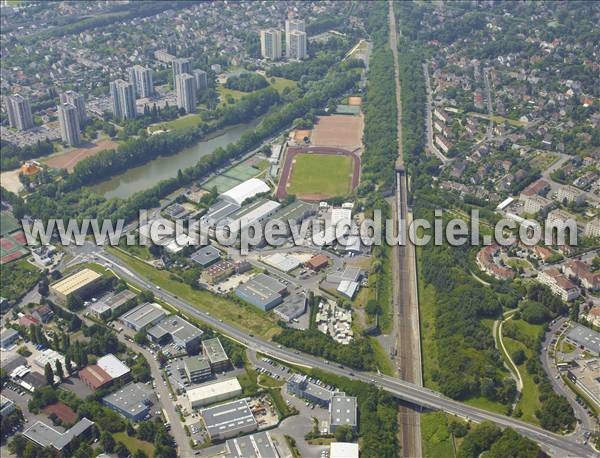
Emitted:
pixel 245 317
pixel 191 120
pixel 134 444
pixel 322 174
pixel 519 338
pixel 435 435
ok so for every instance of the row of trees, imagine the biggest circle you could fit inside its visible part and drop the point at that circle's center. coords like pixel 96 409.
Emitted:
pixel 13 156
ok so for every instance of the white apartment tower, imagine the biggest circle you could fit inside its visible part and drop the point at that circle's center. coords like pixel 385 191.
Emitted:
pixel 297 45
pixel 19 112
pixel 68 118
pixel 123 99
pixel 77 101
pixel 201 79
pixel 141 78
pixel 270 44
pixel 186 92
pixel 180 66
pixel 292 25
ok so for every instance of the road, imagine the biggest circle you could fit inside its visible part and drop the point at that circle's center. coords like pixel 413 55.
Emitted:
pixel 177 431
pixel 429 120
pixel 407 338
pixel 488 99
pixel 587 423
pixel 406 391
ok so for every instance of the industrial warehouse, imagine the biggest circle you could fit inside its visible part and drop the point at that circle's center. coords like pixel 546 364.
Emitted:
pixel 214 392
pixel 229 420
pixel 143 315
pixel 133 401
pixel 175 329
pixel 81 284
pixel 262 291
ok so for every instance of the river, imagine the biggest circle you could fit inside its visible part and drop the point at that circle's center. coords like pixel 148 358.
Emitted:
pixel 147 175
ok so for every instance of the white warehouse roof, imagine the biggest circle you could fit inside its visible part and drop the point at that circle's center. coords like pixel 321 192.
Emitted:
pixel 245 190
pixel 112 366
pixel 343 450
pixel 223 389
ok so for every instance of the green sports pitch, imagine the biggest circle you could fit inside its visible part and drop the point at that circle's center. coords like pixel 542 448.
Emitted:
pixel 323 175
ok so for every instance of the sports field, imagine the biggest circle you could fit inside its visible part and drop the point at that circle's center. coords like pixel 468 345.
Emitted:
pixel 322 175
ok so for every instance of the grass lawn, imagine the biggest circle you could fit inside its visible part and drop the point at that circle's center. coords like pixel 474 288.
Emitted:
pixel 245 317
pixel 516 263
pixel 529 400
pixel 486 404
pixel 280 84
pixel 224 93
pixel 320 174
pixel 543 160
pixel 269 382
pixel 435 437
pixel 382 359
pixel 133 444
pixel 191 120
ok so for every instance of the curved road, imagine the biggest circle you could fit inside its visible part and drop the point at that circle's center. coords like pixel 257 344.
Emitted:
pixel 553 443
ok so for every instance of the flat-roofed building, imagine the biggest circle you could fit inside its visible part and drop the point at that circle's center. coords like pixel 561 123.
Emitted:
pixel 300 386
pixel 262 291
pixel 143 315
pixel 197 368
pixel 50 356
pixel 217 272
pixel 342 412
pixel 8 337
pixel 317 262
pixel 81 284
pixel 104 308
pixel 343 450
pixel 46 436
pixel 133 401
pixel 177 330
pixel 213 350
pixel 257 445
pixel 229 420
pixel 585 337
pixel 6 406
pixel 214 392
pixel 206 256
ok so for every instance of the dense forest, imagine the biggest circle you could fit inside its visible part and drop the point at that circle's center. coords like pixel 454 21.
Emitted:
pixel 13 156
pixel 489 440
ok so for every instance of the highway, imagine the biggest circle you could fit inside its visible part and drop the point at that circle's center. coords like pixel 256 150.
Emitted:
pixel 555 444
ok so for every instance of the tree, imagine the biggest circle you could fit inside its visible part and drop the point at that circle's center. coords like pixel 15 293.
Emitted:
pixel 518 357
pixel 121 450
pixel 59 370
pixel 68 365
pixel 140 338
pixel 130 430
pixel 107 441
pixel 140 454
pixel 49 373
pixel 458 428
pixel 344 433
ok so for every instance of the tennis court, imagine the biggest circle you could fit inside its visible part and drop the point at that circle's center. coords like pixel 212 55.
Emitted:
pixel 241 172
pixel 222 183
pixel 11 247
pixel 8 224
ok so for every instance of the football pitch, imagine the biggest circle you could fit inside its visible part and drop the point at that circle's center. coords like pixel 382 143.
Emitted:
pixel 323 175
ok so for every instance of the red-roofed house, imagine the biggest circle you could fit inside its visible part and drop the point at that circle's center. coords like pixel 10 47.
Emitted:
pixel 28 320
